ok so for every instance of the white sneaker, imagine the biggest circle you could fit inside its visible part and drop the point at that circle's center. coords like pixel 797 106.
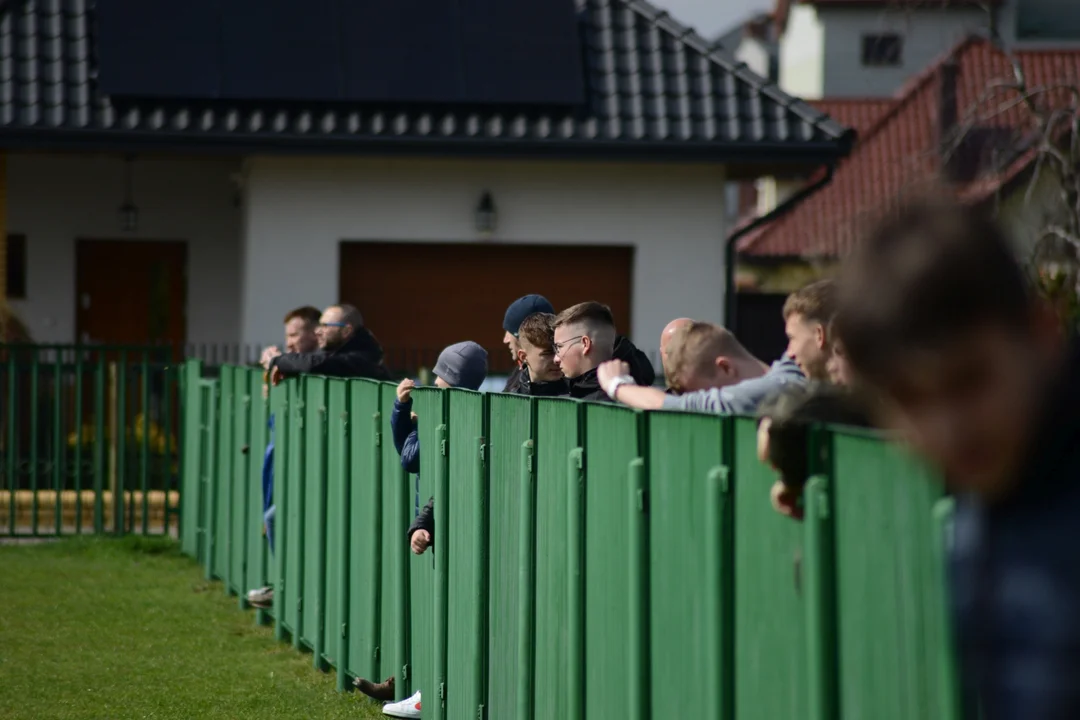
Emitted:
pixel 405 709
pixel 261 598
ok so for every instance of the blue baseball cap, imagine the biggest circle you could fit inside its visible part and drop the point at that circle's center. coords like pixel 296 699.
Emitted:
pixel 522 308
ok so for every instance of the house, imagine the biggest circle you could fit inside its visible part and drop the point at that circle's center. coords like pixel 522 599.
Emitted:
pixel 944 124
pixel 754 42
pixel 175 173
pixel 867 48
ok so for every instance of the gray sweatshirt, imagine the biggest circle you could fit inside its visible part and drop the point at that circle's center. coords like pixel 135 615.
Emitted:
pixel 742 398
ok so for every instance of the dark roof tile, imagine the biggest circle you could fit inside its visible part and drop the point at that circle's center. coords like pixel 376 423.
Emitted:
pixel 654 84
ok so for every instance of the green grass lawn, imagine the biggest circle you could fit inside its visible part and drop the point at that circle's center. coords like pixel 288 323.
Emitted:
pixel 110 629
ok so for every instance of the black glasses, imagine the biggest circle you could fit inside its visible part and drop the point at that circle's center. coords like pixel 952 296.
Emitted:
pixel 560 347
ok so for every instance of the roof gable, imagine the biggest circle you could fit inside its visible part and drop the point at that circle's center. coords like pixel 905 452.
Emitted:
pixel 900 152
pixel 654 86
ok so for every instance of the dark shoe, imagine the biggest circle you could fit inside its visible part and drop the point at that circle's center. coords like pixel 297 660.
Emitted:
pixel 382 691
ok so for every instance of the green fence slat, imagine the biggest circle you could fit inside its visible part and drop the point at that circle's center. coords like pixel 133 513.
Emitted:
pixel 526 654
pixel 428 404
pixel 191 497
pixel 885 544
pixel 292 534
pixel 314 472
pixel 398 491
pixel 575 586
pixel 465 542
pixel 210 478
pixel 78 427
pixel 119 484
pixel 242 500
pixel 58 441
pixel 144 450
pixel 556 434
pixel 35 428
pixel 100 459
pixel 13 407
pixel 770 630
pixel 820 567
pixel 281 407
pixel 949 698
pixel 374 598
pixel 340 507
pixel 336 525
pixel 165 461
pixel 223 540
pixel 510 423
pixel 611 442
pixel 683 449
pixel 257 551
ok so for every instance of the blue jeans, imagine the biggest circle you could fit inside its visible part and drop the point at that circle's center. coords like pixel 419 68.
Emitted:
pixel 268 518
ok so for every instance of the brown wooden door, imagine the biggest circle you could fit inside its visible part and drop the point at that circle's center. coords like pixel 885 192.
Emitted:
pixel 131 292
pixel 420 297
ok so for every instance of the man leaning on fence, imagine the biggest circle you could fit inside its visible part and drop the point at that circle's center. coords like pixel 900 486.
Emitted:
pixel 300 337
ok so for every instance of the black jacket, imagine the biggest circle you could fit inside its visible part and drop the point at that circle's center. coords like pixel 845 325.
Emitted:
pixel 641 368
pixel 360 357
pixel 587 387
pixel 513 383
pixel 425 520
pixel 551 388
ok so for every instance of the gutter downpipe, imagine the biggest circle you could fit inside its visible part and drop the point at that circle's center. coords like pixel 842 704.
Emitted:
pixel 729 248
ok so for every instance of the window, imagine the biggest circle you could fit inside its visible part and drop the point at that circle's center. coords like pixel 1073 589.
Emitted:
pixel 882 50
pixel 16 267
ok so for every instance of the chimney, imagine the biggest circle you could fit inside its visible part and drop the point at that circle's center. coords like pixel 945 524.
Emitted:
pixel 948 116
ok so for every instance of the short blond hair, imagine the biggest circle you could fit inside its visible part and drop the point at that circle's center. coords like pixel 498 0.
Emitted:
pixel 695 347
pixel 597 320
pixel 815 302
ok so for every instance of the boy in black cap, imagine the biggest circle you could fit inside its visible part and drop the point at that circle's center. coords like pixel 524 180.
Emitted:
pixel 520 309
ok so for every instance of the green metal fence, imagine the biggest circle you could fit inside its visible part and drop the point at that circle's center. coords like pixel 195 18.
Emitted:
pixel 589 561
pixel 88 439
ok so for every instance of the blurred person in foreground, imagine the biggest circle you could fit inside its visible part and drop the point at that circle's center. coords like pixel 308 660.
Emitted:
pixel 938 319
pixel 714 371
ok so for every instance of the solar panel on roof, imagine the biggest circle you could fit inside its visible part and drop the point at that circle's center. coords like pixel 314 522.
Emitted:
pixel 505 52
pixel 280 49
pixel 155 49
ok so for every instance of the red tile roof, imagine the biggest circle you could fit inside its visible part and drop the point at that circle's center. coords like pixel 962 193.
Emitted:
pixel 857 113
pixel 899 152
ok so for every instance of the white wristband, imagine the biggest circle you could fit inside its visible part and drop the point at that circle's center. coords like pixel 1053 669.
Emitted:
pixel 615 382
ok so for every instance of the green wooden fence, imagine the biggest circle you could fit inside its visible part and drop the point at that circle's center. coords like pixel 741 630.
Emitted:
pixel 590 561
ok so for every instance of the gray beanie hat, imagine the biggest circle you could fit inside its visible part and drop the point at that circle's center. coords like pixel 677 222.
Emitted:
pixel 463 365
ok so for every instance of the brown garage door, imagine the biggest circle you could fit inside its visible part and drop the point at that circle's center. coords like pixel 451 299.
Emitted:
pixel 419 297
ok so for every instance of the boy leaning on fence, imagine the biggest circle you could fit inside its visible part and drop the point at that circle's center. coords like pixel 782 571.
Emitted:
pixel 462 365
pixel 937 317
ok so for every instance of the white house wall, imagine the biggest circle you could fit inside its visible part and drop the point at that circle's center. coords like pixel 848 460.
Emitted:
pixel 56 199
pixel 821 50
pixel 802 54
pixel 300 209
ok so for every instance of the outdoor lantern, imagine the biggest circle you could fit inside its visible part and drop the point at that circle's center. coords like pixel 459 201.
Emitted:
pixel 485 215
pixel 129 211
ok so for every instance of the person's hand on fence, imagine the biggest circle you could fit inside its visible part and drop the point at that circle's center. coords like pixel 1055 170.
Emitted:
pixel 421 540
pixel 276 377
pixel 404 390
pixel 785 500
pixel 268 355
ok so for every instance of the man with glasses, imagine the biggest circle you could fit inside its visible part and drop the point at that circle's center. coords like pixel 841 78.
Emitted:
pixel 346 349
pixel 585 338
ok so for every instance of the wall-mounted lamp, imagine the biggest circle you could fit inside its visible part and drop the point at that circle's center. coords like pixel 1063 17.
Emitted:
pixel 129 211
pixel 486 215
